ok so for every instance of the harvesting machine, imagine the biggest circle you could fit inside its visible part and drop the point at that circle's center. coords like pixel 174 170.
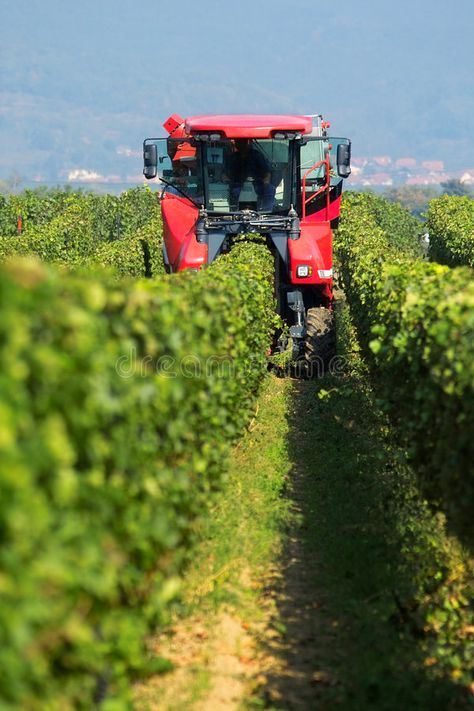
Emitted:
pixel 278 176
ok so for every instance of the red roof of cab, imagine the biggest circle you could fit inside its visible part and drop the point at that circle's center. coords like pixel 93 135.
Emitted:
pixel 248 126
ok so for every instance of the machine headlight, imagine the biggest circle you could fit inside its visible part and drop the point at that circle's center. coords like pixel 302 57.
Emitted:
pixel 303 271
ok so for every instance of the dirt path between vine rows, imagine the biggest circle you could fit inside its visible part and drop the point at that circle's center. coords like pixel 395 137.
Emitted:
pixel 226 663
pixel 270 651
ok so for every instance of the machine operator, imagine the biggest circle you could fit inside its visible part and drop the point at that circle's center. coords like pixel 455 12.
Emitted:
pixel 248 162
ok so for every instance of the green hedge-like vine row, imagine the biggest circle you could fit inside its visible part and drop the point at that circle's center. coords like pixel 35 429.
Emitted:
pixel 402 229
pixel 450 225
pixel 112 214
pixel 34 207
pixel 416 320
pixel 119 400
pixel 77 230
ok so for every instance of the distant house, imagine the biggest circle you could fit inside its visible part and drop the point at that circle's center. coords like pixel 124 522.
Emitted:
pixel 405 163
pixel 84 175
pixel 382 161
pixel 426 179
pixel 376 179
pixel 359 162
pixel 434 166
pixel 467 178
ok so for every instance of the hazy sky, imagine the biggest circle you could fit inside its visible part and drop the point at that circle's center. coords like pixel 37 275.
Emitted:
pixel 391 75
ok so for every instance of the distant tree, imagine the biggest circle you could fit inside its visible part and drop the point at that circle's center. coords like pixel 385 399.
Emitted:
pixel 456 187
pixel 414 198
pixel 14 181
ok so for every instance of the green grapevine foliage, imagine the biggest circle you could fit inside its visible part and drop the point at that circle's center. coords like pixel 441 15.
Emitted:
pixel 416 320
pixel 450 225
pixel 119 401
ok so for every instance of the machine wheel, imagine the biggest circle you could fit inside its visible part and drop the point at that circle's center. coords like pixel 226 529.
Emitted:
pixel 320 341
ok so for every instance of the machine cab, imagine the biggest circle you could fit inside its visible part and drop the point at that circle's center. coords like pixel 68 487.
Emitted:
pixel 266 175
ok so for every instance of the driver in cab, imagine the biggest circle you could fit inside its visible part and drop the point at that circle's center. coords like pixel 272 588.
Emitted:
pixel 248 162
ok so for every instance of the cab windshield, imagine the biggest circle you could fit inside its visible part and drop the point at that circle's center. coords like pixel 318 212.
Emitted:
pixel 229 175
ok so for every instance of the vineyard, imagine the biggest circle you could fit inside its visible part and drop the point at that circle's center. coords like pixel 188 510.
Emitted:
pixel 156 469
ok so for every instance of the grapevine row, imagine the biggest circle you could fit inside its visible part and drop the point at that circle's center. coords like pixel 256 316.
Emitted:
pixel 450 224
pixel 83 231
pixel 120 400
pixel 416 322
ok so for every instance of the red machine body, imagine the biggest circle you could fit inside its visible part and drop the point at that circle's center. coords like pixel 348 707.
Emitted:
pixel 278 175
pixel 179 222
pixel 248 126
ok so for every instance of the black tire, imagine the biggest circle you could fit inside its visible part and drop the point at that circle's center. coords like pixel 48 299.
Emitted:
pixel 320 342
